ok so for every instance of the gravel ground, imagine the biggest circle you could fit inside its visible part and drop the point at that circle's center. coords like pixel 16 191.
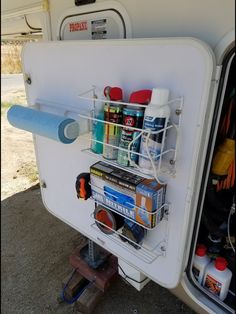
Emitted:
pixel 36 246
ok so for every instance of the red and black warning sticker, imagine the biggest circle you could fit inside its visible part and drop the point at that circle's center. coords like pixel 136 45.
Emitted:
pixel 213 285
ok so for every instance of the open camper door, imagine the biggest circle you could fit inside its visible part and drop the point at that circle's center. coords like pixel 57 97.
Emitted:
pixel 60 71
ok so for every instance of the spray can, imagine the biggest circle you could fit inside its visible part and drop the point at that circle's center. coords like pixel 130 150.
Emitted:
pixel 112 113
pixel 97 130
pixel 156 118
pixel 132 117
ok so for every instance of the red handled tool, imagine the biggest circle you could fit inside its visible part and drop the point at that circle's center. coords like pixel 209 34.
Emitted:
pixel 82 186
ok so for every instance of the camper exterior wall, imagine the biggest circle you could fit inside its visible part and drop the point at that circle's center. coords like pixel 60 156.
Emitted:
pixel 207 20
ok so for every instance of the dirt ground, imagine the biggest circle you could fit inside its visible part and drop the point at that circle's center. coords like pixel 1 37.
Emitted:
pixel 36 245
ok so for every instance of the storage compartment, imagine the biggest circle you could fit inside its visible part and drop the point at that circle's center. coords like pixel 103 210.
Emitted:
pixel 104 24
pixel 217 222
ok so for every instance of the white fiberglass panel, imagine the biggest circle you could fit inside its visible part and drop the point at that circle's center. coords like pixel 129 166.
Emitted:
pixel 61 70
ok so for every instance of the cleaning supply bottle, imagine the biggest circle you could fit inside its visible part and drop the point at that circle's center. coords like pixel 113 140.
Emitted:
pixel 217 278
pixel 97 129
pixel 200 262
pixel 156 117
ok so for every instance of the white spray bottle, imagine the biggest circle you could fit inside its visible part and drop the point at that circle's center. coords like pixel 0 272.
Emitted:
pixel 156 117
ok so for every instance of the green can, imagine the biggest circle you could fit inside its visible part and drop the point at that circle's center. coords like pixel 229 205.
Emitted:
pixel 112 113
pixel 132 118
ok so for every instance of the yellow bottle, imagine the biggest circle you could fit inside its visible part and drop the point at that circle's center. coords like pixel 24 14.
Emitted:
pixel 225 154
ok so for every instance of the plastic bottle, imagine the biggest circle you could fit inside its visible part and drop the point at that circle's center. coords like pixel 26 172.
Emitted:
pixel 217 278
pixel 200 262
pixel 97 130
pixel 156 117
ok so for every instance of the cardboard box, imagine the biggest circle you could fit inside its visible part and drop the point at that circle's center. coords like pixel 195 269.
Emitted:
pixel 123 191
pixel 150 195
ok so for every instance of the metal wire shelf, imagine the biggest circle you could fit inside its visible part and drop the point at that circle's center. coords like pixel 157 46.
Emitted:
pixel 162 164
pixel 144 252
pixel 156 215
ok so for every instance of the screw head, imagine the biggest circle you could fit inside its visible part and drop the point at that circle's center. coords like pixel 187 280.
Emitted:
pixel 43 185
pixel 28 80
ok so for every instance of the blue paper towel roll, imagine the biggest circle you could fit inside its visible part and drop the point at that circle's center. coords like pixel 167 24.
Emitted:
pixel 57 128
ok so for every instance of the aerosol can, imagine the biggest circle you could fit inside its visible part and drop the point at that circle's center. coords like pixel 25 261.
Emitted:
pixel 132 117
pixel 156 118
pixel 112 113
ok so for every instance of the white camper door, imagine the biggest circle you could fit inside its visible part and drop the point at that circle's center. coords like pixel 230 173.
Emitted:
pixel 60 71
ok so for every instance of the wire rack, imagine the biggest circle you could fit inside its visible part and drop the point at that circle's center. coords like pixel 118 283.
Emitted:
pixel 162 164
pixel 155 216
pixel 143 251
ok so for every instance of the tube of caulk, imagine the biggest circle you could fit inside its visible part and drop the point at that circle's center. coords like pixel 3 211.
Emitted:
pixel 156 117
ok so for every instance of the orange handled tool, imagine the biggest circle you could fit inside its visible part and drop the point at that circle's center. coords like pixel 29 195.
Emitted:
pixel 82 186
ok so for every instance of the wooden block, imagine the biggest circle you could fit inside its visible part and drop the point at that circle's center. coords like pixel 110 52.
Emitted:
pixel 76 283
pixel 103 276
pixel 89 299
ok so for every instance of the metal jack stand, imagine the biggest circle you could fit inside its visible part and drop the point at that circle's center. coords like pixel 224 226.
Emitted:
pixel 95 264
pixel 93 254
